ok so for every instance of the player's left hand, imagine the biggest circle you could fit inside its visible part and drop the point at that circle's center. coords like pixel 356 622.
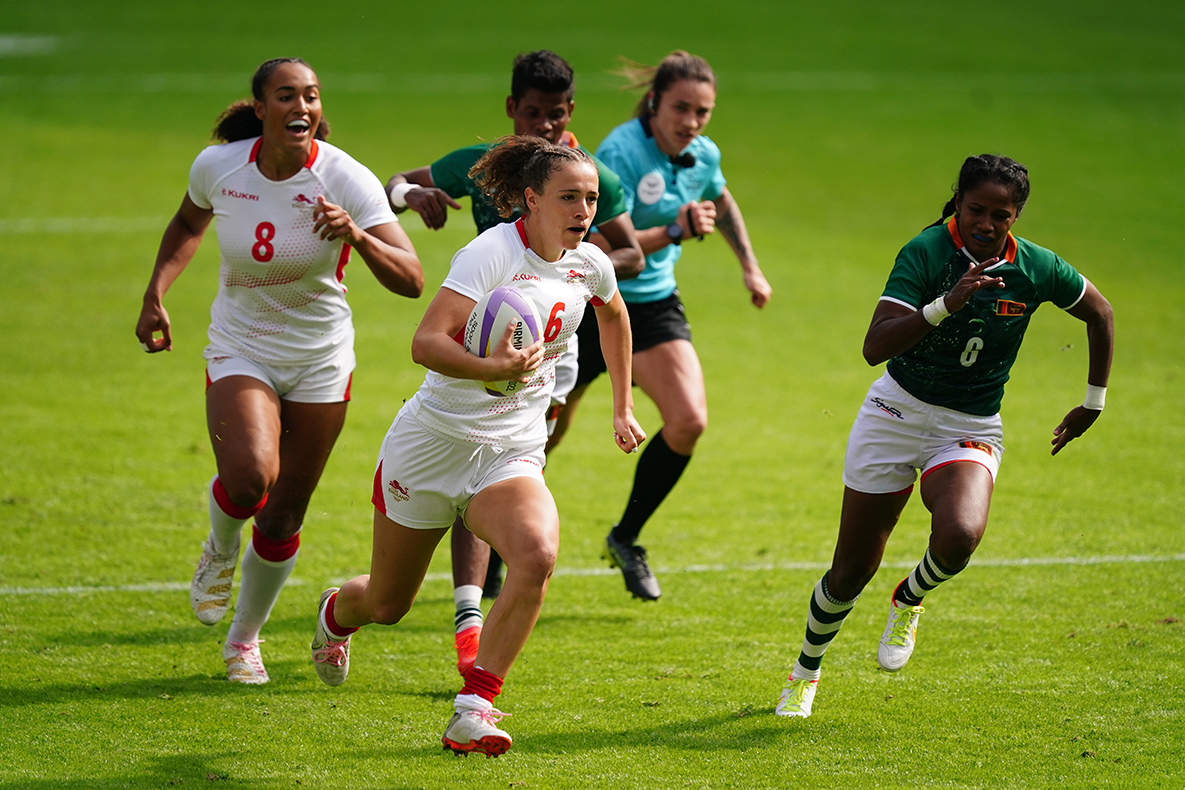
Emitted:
pixel 1074 425
pixel 627 433
pixel 333 222
pixel 759 288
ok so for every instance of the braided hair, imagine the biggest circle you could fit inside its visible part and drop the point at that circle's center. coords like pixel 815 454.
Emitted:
pixel 239 122
pixel 516 162
pixel 989 167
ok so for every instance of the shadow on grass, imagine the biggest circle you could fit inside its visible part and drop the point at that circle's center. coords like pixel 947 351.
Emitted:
pixel 182 770
pixel 196 633
pixel 721 732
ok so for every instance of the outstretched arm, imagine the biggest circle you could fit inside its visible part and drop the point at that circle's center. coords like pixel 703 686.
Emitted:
pixel 424 198
pixel 1095 310
pixel 177 247
pixel 616 343
pixel 731 225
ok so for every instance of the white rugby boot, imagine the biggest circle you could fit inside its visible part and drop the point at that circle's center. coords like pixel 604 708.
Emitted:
pixel 476 731
pixel 331 655
pixel 798 695
pixel 209 592
pixel 900 634
pixel 244 664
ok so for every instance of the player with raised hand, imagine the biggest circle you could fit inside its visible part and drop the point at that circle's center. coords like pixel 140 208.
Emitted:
pixel 950 323
pixel 290 207
pixel 453 449
pixel 540 104
pixel 675 191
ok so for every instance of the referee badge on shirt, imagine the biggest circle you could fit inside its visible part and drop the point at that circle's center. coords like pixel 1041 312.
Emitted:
pixel 652 187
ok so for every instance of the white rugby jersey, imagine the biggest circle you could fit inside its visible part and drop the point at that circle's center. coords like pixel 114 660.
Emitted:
pixel 280 293
pixel 461 408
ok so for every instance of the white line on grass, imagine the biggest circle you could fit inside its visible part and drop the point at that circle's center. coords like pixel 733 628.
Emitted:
pixel 722 568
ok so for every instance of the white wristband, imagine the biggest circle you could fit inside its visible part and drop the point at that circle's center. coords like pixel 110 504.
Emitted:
pixel 936 311
pixel 1096 397
pixel 399 193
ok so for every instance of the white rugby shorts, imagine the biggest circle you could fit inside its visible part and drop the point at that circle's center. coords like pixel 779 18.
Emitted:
pixel 895 435
pixel 327 381
pixel 423 480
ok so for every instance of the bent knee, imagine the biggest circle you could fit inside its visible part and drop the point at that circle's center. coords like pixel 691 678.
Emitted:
pixel 535 564
pixel 683 432
pixel 248 487
pixel 846 581
pixel 388 612
pixel 954 549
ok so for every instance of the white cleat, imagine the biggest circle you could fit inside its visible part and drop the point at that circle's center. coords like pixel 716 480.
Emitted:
pixel 331 656
pixel 798 696
pixel 900 635
pixel 475 731
pixel 209 592
pixel 244 664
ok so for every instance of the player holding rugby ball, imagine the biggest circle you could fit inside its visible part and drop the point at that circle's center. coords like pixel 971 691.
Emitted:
pixel 454 449
pixel 540 104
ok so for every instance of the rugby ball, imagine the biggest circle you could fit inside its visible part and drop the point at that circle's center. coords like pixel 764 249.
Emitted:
pixel 488 321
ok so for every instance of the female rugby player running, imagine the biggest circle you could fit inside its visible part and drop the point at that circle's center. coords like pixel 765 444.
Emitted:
pixel 290 207
pixel 950 323
pixel 453 449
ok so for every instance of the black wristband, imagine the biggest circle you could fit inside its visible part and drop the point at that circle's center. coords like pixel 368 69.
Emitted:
pixel 691 226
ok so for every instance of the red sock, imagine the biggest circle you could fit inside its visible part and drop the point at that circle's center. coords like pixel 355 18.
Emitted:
pixel 230 508
pixel 331 625
pixel 273 550
pixel 484 684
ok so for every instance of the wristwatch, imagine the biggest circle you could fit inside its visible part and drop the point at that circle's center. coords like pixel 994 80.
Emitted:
pixel 675 233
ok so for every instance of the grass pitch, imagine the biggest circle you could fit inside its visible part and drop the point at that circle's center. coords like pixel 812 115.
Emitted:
pixel 1055 660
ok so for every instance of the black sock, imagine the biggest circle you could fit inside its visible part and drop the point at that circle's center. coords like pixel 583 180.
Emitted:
pixel 658 470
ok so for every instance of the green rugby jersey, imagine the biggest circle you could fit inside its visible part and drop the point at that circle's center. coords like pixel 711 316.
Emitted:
pixel 451 174
pixel 963 362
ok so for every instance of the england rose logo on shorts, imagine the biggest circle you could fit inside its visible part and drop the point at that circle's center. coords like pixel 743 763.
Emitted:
pixel 397 491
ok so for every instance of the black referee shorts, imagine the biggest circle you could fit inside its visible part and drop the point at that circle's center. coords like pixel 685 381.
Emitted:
pixel 651 323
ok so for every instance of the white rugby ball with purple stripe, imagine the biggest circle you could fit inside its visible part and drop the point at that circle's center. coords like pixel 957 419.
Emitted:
pixel 488 321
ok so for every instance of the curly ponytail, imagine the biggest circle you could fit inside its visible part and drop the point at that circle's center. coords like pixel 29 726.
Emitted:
pixel 989 167
pixel 239 122
pixel 516 162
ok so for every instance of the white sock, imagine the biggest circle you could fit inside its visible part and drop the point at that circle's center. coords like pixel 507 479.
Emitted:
pixel 259 587
pixel 798 673
pixel 467 598
pixel 466 702
pixel 224 529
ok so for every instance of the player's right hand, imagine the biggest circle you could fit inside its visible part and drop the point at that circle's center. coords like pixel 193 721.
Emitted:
pixel 432 204
pixel 514 363
pixel 698 219
pixel 970 282
pixel 154 318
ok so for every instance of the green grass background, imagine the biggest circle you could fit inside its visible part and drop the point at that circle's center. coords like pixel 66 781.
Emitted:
pixel 843 125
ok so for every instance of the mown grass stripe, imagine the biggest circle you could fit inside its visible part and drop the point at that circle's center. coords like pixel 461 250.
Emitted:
pixel 154 587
